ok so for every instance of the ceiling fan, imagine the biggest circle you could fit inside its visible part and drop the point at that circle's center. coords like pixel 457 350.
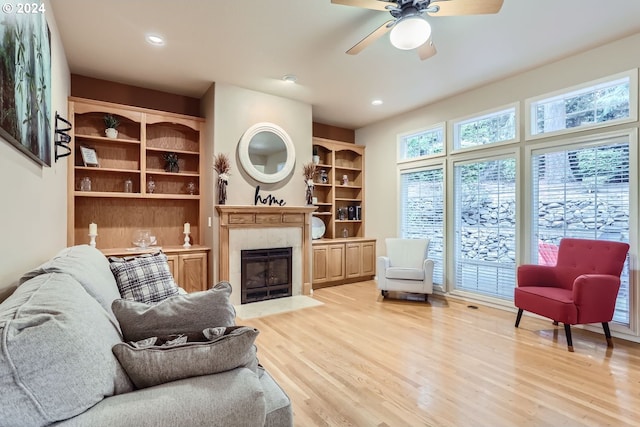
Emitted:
pixel 409 28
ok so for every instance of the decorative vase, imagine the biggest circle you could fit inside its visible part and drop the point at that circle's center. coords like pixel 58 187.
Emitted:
pixel 316 159
pixel 111 133
pixel 222 191
pixel 151 185
pixel 309 195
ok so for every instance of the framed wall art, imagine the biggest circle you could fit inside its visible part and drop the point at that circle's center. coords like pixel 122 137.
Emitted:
pixel 25 76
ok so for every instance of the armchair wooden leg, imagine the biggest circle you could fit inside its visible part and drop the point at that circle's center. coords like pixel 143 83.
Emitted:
pixel 567 332
pixel 607 334
pixel 519 316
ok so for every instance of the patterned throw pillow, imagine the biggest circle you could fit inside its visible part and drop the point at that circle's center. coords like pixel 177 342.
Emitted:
pixel 220 349
pixel 145 278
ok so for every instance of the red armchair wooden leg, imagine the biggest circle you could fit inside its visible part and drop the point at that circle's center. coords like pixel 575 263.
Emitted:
pixel 519 316
pixel 567 332
pixel 607 334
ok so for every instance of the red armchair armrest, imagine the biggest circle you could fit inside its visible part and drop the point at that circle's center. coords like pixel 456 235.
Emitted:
pixel 537 275
pixel 595 296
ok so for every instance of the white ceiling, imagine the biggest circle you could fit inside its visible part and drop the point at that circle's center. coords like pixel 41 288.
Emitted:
pixel 253 43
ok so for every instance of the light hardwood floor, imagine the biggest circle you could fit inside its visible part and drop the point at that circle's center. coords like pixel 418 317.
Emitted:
pixel 359 360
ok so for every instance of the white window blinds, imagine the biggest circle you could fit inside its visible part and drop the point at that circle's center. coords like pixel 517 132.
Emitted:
pixel 485 222
pixel 422 212
pixel 582 191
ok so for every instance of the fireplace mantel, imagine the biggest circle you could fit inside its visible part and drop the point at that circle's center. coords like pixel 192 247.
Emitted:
pixel 238 217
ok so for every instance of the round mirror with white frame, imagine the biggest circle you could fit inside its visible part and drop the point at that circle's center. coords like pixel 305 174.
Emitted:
pixel 266 153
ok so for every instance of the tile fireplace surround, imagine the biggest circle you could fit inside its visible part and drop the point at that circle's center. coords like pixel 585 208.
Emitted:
pixel 264 227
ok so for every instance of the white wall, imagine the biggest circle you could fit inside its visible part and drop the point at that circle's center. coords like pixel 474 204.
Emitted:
pixel 236 109
pixel 34 198
pixel 380 139
pixel 230 111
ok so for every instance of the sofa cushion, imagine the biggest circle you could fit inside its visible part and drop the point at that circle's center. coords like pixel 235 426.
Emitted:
pixel 149 365
pixel 88 266
pixel 231 398
pixel 145 278
pixel 55 352
pixel 191 312
pixel 404 273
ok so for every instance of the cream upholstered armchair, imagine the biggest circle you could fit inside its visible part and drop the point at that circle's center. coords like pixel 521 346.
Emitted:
pixel 406 267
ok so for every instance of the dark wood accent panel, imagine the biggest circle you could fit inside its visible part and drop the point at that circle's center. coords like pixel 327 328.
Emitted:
pixel 333 132
pixel 104 90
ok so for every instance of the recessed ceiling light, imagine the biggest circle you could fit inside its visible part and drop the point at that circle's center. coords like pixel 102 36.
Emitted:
pixel 289 78
pixel 155 40
pixel 376 102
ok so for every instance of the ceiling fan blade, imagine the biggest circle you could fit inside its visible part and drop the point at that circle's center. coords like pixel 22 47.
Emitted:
pixel 375 35
pixel 465 7
pixel 427 50
pixel 366 4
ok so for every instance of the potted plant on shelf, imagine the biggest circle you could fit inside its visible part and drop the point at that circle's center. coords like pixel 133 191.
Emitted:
pixel 111 123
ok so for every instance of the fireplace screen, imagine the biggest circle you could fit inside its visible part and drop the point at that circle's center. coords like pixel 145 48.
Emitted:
pixel 265 274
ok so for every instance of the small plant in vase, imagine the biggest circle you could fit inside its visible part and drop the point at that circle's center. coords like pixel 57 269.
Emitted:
pixel 111 124
pixel 222 166
pixel 172 162
pixel 309 171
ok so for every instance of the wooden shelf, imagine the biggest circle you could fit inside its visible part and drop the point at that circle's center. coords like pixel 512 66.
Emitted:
pixel 116 170
pixel 162 172
pixel 168 150
pixel 338 159
pixel 104 139
pixel 144 135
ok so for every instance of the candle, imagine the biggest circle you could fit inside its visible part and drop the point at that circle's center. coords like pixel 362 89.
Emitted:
pixel 187 227
pixel 93 228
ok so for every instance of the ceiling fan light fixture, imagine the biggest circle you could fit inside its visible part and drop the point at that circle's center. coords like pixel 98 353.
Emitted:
pixel 410 32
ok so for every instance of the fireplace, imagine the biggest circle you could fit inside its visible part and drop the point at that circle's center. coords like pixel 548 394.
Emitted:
pixel 265 274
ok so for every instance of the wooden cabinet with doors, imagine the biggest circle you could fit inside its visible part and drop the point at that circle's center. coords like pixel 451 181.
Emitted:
pixel 360 259
pixel 188 265
pixel 340 261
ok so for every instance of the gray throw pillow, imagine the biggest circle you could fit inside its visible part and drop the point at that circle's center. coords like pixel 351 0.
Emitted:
pixel 145 278
pixel 152 365
pixel 191 312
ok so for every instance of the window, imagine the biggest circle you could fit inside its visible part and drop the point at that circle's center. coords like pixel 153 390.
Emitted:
pixel 423 143
pixel 485 227
pixel 582 191
pixel 497 126
pixel 608 101
pixel 422 212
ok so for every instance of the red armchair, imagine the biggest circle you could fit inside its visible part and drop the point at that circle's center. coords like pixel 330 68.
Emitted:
pixel 581 288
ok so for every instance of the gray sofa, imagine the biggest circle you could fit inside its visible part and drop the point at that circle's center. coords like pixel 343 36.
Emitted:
pixel 57 331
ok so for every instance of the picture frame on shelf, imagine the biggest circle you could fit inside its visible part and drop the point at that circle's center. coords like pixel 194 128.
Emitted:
pixel 89 156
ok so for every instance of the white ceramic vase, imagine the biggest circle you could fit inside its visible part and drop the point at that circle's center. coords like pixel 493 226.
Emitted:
pixel 111 133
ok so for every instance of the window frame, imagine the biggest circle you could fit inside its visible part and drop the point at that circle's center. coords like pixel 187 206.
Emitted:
pixel 495 153
pixel 633 106
pixel 454 124
pixel 400 143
